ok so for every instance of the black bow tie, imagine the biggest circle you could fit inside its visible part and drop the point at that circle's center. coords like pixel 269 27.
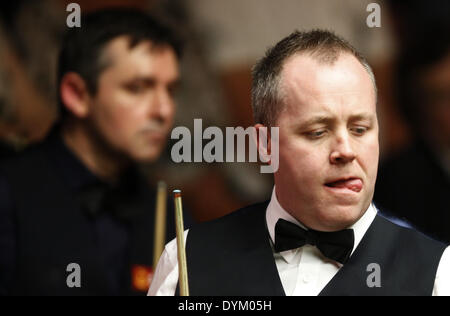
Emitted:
pixel 334 245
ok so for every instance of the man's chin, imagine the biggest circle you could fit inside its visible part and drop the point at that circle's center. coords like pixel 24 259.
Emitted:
pixel 146 157
pixel 340 217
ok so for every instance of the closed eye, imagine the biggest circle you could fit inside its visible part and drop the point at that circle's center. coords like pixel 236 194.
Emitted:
pixel 136 88
pixel 316 134
pixel 140 85
pixel 359 130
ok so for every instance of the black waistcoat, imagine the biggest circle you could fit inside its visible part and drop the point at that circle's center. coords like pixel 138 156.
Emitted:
pixel 53 231
pixel 233 256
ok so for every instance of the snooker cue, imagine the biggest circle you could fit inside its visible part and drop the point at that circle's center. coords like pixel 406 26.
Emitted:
pixel 182 265
pixel 160 222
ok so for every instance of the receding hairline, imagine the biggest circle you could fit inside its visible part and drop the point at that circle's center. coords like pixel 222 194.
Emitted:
pixel 108 56
pixel 325 60
pixel 323 46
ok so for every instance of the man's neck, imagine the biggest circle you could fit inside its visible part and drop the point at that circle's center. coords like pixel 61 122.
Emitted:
pixel 93 152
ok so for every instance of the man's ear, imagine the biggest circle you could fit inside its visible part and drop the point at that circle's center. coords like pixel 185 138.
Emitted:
pixel 74 94
pixel 262 142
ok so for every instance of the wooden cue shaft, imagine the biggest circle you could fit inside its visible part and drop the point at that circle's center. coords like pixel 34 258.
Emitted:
pixel 160 222
pixel 182 265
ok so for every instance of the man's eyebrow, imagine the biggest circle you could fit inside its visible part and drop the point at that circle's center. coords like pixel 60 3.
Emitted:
pixel 149 80
pixel 144 79
pixel 330 120
pixel 362 117
pixel 320 119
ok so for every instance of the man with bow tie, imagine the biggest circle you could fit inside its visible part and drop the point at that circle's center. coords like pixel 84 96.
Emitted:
pixel 320 233
pixel 78 198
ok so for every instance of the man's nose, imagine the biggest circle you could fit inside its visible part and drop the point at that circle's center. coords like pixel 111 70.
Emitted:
pixel 162 105
pixel 342 151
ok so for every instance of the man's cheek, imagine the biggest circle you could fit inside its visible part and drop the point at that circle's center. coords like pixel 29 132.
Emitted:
pixel 374 159
pixel 123 123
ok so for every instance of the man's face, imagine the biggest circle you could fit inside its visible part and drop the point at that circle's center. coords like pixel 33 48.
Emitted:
pixel 133 109
pixel 328 142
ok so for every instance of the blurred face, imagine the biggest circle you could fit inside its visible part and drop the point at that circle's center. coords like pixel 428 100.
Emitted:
pixel 133 109
pixel 328 142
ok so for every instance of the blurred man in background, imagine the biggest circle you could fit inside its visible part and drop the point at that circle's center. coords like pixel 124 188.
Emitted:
pixel 78 197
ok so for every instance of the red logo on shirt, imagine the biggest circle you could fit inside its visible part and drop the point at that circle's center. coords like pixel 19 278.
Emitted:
pixel 141 277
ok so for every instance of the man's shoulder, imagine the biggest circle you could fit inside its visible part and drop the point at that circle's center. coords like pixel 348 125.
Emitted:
pixel 21 165
pixel 28 173
pixel 29 155
pixel 394 219
pixel 408 234
pixel 236 223
pixel 245 213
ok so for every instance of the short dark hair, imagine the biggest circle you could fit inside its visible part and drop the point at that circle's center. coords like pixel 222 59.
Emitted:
pixel 82 47
pixel 322 45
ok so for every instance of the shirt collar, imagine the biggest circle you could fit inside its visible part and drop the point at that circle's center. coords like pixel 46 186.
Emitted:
pixel 128 194
pixel 74 173
pixel 73 170
pixel 275 212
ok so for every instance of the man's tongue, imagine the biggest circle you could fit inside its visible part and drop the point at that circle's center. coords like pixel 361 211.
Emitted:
pixel 351 184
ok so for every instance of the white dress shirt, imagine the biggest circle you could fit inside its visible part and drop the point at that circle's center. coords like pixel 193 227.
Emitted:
pixel 303 271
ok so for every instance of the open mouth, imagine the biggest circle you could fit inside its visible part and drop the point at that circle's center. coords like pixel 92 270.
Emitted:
pixel 352 184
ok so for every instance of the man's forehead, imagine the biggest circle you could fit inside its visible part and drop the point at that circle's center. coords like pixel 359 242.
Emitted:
pixel 120 49
pixel 144 59
pixel 313 91
pixel 306 68
pixel 304 77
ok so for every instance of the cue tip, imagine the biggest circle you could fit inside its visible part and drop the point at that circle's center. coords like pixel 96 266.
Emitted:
pixel 177 193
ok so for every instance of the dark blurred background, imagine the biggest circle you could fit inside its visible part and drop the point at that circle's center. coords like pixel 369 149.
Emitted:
pixel 409 53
